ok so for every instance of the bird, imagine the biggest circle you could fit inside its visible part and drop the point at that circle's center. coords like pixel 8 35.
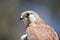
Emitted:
pixel 36 28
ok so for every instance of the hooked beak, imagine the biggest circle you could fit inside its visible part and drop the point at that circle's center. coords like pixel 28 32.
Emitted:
pixel 21 18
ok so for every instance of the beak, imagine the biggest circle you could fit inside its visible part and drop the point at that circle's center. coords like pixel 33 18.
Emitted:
pixel 21 18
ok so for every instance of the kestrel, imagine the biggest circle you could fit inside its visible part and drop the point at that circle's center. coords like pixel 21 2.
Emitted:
pixel 36 28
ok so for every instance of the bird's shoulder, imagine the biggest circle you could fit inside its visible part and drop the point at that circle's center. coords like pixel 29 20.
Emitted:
pixel 43 31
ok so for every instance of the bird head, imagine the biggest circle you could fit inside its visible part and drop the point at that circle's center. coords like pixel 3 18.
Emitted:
pixel 29 17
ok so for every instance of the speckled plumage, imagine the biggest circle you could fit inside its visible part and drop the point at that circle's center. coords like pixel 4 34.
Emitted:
pixel 42 31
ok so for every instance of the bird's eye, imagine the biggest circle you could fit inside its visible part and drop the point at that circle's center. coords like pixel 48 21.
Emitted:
pixel 27 14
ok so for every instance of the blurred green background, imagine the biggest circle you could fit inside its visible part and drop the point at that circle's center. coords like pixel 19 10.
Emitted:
pixel 11 28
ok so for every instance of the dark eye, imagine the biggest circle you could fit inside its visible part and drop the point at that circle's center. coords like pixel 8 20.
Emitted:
pixel 27 14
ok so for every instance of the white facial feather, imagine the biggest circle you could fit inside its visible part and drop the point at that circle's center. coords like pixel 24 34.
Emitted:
pixel 33 17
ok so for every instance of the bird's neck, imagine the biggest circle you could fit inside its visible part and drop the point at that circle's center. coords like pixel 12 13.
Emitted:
pixel 32 24
pixel 38 22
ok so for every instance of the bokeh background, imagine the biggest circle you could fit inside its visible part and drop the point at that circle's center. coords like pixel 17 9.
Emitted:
pixel 11 28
